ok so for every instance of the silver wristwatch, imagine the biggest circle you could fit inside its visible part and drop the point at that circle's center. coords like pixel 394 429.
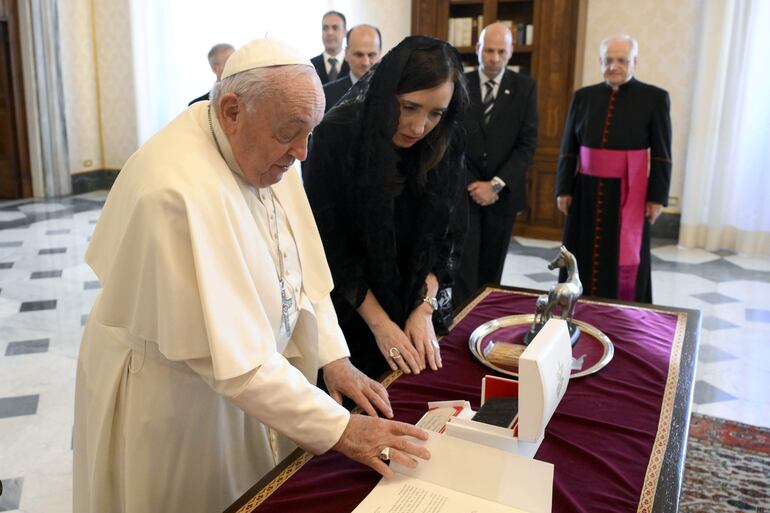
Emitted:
pixel 431 301
pixel 497 184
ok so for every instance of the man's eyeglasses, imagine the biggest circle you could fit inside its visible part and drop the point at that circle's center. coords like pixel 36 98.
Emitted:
pixel 620 61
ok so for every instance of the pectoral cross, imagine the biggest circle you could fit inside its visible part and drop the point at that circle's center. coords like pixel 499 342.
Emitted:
pixel 286 303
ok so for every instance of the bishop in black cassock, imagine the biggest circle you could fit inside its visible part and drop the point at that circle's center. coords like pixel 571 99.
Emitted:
pixel 615 165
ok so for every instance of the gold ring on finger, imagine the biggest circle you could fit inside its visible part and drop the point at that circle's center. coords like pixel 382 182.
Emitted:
pixel 394 353
pixel 385 454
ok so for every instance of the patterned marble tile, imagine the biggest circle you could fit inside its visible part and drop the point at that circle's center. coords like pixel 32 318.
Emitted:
pixel 90 285
pixel 52 251
pixel 6 215
pixel 707 393
pixel 711 354
pixel 42 208
pixel 537 243
pixel 715 298
pixel 31 306
pixel 757 315
pixel 6 265
pixel 683 255
pixel 750 263
pixel 37 275
pixel 18 406
pixel 544 277
pixel 11 498
pixel 11 244
pixel 711 322
pixel 60 231
pixel 27 347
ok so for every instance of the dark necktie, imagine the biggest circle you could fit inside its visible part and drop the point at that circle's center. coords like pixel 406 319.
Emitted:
pixel 333 71
pixel 489 100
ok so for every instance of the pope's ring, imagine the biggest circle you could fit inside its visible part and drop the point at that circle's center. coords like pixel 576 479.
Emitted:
pixel 394 353
pixel 385 454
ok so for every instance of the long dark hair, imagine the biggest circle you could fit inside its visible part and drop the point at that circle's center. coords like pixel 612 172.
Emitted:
pixel 428 68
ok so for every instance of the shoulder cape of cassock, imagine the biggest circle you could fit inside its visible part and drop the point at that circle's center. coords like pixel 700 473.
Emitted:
pixel 180 258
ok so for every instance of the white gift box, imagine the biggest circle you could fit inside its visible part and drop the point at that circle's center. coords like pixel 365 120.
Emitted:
pixel 544 371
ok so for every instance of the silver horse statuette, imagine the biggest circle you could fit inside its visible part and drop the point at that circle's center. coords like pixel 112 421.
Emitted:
pixel 564 295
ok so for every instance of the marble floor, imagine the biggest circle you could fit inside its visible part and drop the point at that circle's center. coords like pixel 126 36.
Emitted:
pixel 46 291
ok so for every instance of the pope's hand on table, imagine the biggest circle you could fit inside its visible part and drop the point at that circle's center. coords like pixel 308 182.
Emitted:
pixel 390 336
pixel 419 329
pixel 343 378
pixel 364 439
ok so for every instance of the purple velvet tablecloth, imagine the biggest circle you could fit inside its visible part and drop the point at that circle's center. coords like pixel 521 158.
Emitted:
pixel 604 438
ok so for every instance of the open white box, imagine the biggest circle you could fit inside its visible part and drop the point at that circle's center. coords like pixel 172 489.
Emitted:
pixel 544 371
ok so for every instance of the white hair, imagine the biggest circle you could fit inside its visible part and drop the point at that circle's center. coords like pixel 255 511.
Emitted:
pixel 253 84
pixel 632 43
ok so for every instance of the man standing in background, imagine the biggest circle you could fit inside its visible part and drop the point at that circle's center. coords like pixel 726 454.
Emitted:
pixel 501 128
pixel 614 173
pixel 218 56
pixel 363 50
pixel 331 63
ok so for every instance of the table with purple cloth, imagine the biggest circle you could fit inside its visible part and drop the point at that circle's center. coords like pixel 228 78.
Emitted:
pixel 617 439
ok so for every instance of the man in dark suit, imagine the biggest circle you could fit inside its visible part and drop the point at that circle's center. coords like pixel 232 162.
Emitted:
pixel 501 128
pixel 331 64
pixel 363 47
pixel 218 56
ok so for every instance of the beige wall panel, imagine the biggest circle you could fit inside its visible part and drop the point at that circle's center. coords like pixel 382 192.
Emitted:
pixel 668 33
pixel 79 77
pixel 116 80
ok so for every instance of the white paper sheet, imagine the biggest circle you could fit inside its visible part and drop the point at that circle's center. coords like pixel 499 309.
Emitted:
pixel 409 495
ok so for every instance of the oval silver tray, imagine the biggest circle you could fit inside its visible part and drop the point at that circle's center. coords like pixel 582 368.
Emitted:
pixel 478 335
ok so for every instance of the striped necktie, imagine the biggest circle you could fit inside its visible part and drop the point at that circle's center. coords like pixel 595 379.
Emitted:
pixel 489 100
pixel 333 71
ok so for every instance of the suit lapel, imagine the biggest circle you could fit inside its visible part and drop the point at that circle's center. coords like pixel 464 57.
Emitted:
pixel 476 112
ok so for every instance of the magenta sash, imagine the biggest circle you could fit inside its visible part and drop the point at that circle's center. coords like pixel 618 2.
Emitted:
pixel 631 166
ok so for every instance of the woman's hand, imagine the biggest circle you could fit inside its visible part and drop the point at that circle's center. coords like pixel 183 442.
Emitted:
pixel 397 348
pixel 419 329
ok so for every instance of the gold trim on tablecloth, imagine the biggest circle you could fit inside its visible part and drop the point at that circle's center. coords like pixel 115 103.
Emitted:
pixel 664 421
pixel 655 463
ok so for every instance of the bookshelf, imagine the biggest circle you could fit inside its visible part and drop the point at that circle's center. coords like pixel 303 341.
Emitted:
pixel 548 56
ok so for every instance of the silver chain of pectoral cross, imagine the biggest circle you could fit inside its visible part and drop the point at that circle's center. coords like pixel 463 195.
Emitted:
pixel 286 301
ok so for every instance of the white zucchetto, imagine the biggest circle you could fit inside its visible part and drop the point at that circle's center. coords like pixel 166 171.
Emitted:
pixel 263 53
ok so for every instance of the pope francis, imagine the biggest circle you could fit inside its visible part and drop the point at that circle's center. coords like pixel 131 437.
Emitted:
pixel 197 367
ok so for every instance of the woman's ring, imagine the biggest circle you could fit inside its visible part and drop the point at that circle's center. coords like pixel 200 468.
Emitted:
pixel 434 342
pixel 394 353
pixel 385 454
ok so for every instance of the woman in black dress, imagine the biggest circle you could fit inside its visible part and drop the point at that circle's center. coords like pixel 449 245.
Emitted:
pixel 386 182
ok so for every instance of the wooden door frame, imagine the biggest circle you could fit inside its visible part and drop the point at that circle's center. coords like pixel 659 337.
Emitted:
pixel 9 12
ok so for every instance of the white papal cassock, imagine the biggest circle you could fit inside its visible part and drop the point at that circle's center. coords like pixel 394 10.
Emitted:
pixel 183 363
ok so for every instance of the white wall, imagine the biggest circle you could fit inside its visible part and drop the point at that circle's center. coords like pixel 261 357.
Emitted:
pixel 392 17
pixel 119 88
pixel 668 33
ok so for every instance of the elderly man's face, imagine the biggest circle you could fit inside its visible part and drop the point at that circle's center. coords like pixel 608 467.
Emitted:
pixel 333 29
pixel 363 50
pixel 616 63
pixel 268 140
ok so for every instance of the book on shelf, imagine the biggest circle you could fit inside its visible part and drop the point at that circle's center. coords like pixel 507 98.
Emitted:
pixel 464 32
pixel 529 34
